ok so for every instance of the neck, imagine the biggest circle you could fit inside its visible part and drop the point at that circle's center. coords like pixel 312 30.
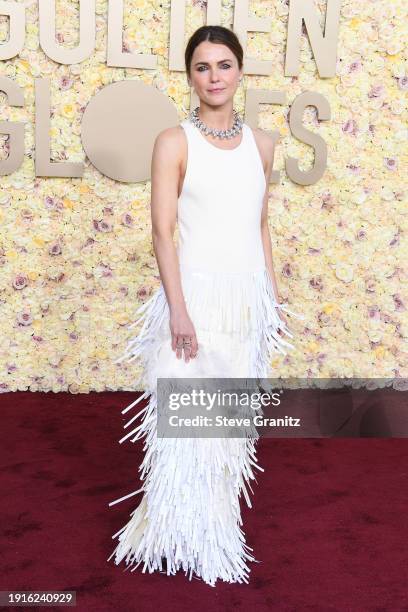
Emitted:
pixel 218 119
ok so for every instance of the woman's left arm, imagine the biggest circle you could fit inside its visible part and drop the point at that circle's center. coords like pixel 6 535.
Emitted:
pixel 268 151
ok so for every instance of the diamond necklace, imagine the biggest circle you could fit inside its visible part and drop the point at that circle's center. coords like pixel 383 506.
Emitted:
pixel 236 127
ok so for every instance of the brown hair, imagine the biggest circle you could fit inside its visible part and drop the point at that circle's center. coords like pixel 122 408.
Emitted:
pixel 214 34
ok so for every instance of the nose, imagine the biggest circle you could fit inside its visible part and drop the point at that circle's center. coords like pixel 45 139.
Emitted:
pixel 214 75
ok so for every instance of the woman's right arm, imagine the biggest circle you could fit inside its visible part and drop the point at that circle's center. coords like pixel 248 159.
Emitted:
pixel 165 175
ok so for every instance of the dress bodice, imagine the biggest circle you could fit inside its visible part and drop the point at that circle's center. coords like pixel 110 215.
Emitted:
pixel 220 205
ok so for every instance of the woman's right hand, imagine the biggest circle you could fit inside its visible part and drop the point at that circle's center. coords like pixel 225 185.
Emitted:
pixel 182 330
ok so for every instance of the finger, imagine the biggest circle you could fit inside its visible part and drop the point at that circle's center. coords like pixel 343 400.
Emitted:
pixel 187 348
pixel 179 346
pixel 194 347
pixel 187 353
pixel 175 341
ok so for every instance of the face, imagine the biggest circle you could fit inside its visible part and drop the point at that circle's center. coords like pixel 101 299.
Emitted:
pixel 214 67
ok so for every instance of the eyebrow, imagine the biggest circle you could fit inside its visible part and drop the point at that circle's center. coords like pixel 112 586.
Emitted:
pixel 220 62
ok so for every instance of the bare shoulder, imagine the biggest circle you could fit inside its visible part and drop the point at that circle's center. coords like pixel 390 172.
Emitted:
pixel 170 140
pixel 265 143
pixel 169 153
pixel 266 150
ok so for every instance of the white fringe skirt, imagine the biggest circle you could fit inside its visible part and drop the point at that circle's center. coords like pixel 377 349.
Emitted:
pixel 189 515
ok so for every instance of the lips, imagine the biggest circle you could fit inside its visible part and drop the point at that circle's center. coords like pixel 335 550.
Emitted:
pixel 215 90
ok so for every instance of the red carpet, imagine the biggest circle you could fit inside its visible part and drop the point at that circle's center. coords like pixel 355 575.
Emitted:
pixel 329 517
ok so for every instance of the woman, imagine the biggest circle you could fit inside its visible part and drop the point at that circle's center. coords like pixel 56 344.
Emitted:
pixel 214 315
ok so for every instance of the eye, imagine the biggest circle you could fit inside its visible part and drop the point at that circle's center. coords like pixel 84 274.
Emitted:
pixel 223 65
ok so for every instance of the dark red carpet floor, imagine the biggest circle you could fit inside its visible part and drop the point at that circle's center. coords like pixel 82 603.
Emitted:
pixel 329 520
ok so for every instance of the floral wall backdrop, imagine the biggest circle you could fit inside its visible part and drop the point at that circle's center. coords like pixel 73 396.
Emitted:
pixel 75 254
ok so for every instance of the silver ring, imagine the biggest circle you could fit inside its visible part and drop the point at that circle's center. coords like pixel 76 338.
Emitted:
pixel 184 344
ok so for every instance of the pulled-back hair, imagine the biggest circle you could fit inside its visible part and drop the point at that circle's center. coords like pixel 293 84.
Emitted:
pixel 214 34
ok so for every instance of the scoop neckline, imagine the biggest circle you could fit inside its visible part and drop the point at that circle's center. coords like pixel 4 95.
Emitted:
pixel 219 148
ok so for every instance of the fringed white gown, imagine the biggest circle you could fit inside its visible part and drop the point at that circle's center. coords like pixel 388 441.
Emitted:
pixel 189 515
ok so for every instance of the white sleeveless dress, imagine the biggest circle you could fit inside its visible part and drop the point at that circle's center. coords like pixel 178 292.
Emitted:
pixel 189 515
